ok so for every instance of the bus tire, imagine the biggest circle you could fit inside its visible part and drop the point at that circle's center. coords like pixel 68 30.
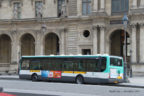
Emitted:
pixel 79 80
pixel 34 77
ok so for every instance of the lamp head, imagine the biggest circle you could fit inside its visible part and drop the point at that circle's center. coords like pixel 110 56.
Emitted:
pixel 125 18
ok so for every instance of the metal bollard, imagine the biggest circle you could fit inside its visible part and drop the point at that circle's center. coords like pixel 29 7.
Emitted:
pixel 1 89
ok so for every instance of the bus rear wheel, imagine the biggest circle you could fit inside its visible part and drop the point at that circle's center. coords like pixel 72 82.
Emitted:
pixel 79 80
pixel 34 77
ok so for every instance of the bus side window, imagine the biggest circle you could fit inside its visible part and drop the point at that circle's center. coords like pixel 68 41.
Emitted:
pixel 25 64
pixel 35 65
pixel 56 64
pixel 103 64
pixel 67 65
pixel 93 65
pixel 80 65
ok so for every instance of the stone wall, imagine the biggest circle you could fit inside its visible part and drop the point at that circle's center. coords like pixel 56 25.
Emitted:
pixel 70 29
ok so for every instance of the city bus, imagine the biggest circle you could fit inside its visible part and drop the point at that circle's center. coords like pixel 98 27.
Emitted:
pixel 79 68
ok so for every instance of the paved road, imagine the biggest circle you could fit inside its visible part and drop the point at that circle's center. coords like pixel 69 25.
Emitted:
pixel 25 94
pixel 65 89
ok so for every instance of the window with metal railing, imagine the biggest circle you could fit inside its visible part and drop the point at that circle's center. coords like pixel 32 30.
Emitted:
pixel 119 6
pixel 86 7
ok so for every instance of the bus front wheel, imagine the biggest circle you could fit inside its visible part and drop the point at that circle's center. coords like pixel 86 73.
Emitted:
pixel 34 77
pixel 79 80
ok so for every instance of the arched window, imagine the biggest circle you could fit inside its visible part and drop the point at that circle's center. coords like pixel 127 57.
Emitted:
pixel 120 6
pixel 51 44
pixel 27 45
pixel 5 49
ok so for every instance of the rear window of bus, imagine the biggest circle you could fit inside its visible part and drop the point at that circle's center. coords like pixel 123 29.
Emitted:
pixel 115 62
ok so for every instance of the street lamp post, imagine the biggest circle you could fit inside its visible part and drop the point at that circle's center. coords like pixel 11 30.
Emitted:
pixel 125 22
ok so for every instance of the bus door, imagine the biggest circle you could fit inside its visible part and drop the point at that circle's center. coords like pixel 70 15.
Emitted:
pixel 67 66
pixel 116 68
pixel 97 67
pixel 93 66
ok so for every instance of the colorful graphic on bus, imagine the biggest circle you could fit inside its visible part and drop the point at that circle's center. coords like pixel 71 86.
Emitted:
pixel 51 74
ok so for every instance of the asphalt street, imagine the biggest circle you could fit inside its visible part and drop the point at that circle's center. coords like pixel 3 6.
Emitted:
pixel 28 94
pixel 29 88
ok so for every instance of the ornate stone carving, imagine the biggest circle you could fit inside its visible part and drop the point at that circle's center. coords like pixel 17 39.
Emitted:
pixel 98 26
pixel 63 10
pixel 39 9
pixel 12 1
pixel 43 28
pixel 32 1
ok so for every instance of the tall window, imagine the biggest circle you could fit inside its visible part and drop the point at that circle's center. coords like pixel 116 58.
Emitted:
pixel 38 9
pixel 17 10
pixel 99 4
pixel 120 6
pixel 138 3
pixel 61 5
pixel 86 7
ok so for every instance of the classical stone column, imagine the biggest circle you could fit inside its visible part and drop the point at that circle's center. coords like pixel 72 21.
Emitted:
pixel 102 6
pixel 39 47
pixel 79 7
pixel 133 45
pixel 95 6
pixel 62 42
pixel 102 40
pixel 142 4
pixel 95 40
pixel 134 4
pixel 142 44
pixel 39 44
pixel 14 53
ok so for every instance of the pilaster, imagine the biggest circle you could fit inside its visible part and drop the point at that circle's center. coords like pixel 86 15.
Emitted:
pixel 141 43
pixel 39 43
pixel 142 4
pixel 62 41
pixel 79 7
pixel 133 45
pixel 15 53
pixel 95 6
pixel 134 4
pixel 102 40
pixel 94 39
pixel 102 2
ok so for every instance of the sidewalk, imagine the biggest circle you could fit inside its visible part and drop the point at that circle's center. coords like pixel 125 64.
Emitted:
pixel 135 82
pixel 9 77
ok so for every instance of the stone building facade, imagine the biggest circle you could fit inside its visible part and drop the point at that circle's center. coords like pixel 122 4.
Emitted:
pixel 44 27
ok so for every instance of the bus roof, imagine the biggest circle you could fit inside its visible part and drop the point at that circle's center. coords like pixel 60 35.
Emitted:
pixel 48 56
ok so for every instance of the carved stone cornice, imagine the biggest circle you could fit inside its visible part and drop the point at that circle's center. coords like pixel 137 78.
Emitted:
pixel 98 26
pixel 132 25
pixel 12 1
pixel 13 32
pixel 32 1
pixel 63 29
pixel 136 11
pixel 137 23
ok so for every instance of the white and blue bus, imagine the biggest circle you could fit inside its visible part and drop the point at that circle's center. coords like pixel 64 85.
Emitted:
pixel 79 69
